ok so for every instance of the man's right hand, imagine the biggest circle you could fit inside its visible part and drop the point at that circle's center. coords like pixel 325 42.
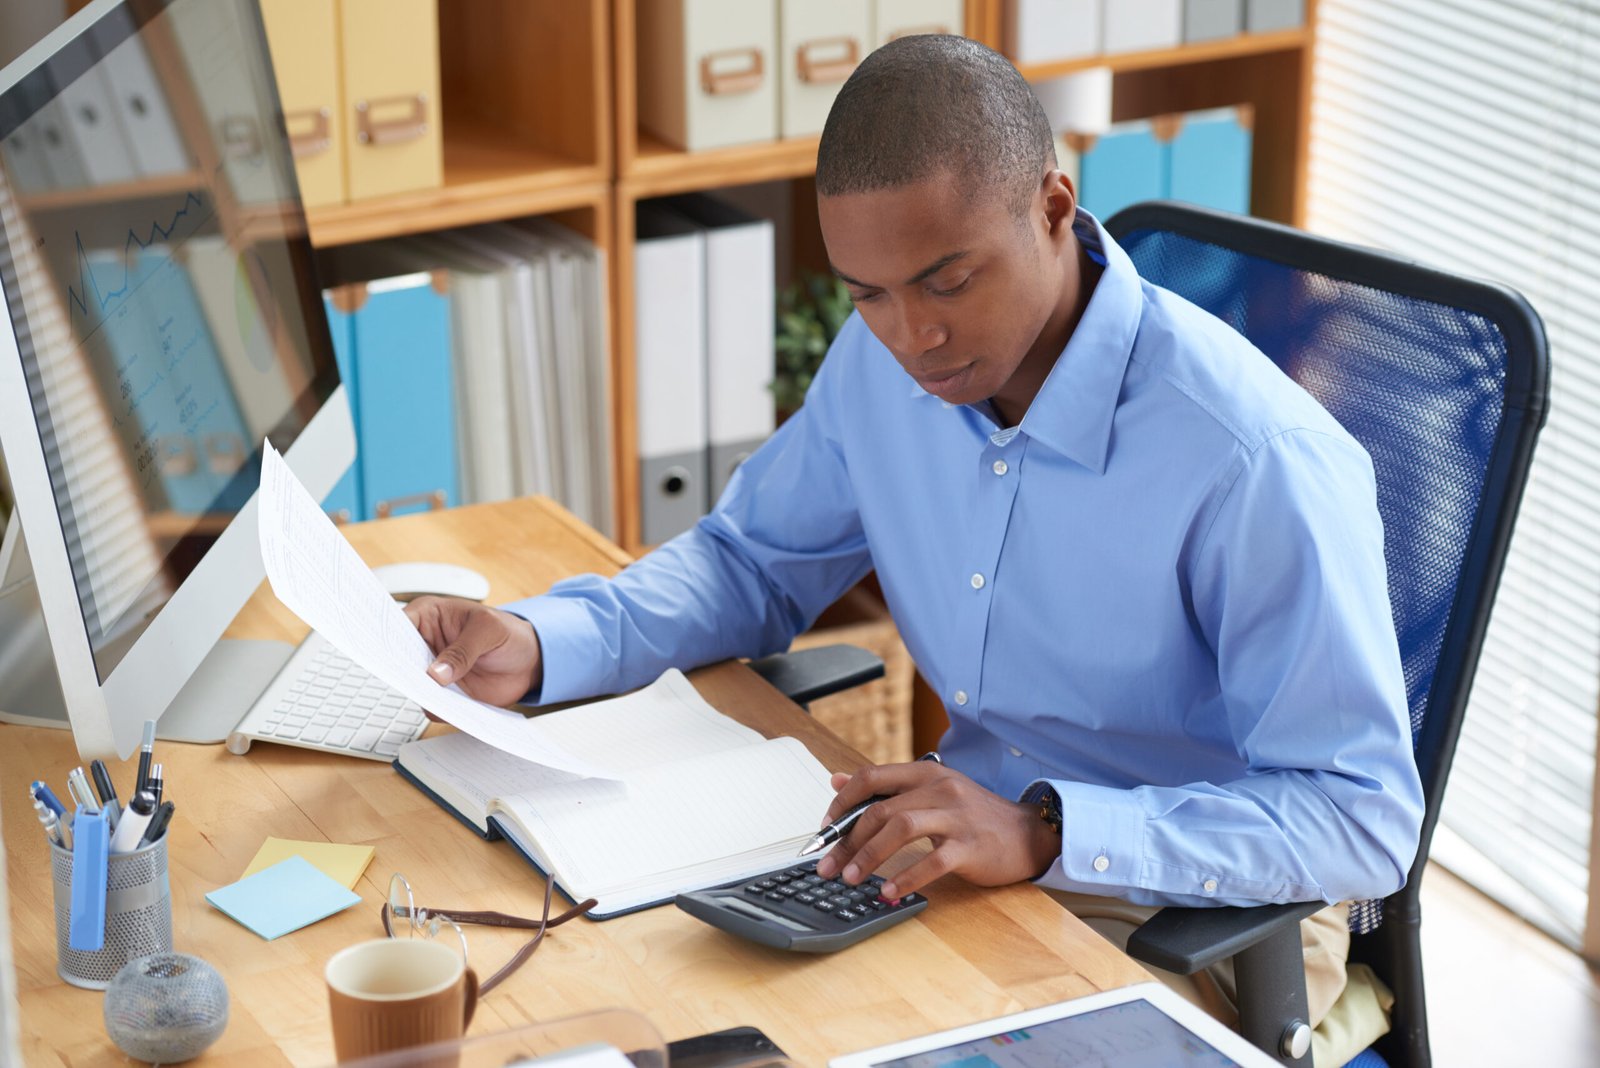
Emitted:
pixel 494 655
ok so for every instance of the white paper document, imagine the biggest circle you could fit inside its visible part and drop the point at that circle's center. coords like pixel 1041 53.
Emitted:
pixel 320 578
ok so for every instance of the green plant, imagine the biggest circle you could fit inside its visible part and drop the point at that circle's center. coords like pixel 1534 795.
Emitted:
pixel 811 312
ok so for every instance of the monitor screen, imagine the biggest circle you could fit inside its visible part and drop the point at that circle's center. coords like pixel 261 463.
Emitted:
pixel 153 253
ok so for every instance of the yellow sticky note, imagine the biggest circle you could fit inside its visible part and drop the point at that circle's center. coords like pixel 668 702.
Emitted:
pixel 344 863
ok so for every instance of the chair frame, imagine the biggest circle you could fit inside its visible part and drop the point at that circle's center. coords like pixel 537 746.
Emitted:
pixel 1271 981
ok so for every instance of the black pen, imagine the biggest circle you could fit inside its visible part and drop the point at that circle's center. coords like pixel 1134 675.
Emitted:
pixel 107 791
pixel 154 782
pixel 146 746
pixel 158 824
pixel 841 826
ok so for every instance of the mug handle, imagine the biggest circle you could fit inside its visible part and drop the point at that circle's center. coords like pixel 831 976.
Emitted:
pixel 471 1005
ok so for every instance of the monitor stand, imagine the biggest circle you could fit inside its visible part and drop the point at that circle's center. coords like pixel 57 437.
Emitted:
pixel 209 706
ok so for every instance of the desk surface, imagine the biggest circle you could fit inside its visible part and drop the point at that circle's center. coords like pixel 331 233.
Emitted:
pixel 973 954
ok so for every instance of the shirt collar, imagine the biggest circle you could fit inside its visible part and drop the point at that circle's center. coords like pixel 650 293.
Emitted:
pixel 1073 410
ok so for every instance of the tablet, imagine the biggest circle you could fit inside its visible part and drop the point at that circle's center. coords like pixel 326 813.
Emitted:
pixel 1140 1026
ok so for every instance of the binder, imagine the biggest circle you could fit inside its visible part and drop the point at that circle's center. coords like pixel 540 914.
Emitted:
pixel 1039 31
pixel 303 37
pixel 708 71
pixel 740 298
pixel 1123 166
pixel 902 18
pixel 820 42
pixel 405 400
pixel 344 501
pixel 390 56
pixel 142 111
pixel 60 151
pixel 1141 25
pixel 669 328
pixel 1210 20
pixel 1263 16
pixel 1210 159
pixel 91 123
pixel 22 153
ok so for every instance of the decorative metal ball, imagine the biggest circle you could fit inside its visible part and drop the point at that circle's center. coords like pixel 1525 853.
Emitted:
pixel 166 1008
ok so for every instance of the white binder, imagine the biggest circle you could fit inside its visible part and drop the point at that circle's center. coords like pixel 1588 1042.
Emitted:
pixel 61 156
pixel 739 308
pixel 141 106
pixel 670 347
pixel 1041 31
pixel 1142 25
pixel 91 122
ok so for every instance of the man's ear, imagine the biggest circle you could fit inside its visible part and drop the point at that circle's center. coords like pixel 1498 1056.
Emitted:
pixel 1060 203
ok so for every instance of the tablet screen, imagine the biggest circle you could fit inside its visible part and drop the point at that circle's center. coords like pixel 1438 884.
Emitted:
pixel 1134 1034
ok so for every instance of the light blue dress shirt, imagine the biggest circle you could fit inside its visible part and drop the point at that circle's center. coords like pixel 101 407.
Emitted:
pixel 1162 594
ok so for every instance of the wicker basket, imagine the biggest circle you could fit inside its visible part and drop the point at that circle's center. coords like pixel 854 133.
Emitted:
pixel 874 718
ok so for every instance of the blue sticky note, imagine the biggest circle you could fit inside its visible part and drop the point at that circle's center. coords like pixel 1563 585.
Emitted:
pixel 283 898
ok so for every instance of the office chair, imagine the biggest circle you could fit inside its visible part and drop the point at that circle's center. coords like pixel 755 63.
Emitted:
pixel 1445 382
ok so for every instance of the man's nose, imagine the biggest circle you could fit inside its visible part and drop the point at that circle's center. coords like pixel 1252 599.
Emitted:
pixel 916 334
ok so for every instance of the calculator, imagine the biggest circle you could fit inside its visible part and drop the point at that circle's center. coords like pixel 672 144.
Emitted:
pixel 795 908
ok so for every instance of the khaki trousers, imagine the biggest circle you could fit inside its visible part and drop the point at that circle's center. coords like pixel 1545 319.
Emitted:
pixel 1324 937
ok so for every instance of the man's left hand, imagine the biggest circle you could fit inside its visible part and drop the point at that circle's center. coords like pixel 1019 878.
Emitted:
pixel 976 834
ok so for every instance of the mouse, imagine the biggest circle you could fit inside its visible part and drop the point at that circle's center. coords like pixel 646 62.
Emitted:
pixel 409 581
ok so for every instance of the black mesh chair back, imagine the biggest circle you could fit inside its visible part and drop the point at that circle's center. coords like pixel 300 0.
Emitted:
pixel 1445 381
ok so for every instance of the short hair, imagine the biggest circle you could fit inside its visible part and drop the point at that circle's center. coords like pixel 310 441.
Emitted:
pixel 936 104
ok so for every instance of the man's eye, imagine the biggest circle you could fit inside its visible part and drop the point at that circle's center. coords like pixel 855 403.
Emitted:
pixel 953 290
pixel 863 298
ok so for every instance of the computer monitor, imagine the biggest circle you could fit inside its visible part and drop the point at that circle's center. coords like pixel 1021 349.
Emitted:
pixel 161 319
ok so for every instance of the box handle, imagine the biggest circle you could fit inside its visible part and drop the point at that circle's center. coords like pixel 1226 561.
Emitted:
pixel 742 79
pixel 407 127
pixel 311 140
pixel 434 499
pixel 916 31
pixel 831 68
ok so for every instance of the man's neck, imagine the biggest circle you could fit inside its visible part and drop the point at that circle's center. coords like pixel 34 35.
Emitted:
pixel 1011 402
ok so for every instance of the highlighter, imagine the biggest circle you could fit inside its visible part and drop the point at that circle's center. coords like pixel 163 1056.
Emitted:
pixel 90 847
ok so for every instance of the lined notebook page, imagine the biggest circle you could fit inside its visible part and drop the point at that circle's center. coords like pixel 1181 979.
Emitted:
pixel 714 813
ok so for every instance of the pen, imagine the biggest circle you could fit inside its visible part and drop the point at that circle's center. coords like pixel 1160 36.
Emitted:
pixel 158 824
pixel 42 792
pixel 130 832
pixel 78 787
pixel 146 747
pixel 841 826
pixel 52 822
pixel 107 791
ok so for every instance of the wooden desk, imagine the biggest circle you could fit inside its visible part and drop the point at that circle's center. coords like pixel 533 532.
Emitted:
pixel 973 954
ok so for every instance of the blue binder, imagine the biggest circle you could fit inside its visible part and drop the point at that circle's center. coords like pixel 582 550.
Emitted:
pixel 344 501
pixel 1211 160
pixel 405 405
pixel 1125 165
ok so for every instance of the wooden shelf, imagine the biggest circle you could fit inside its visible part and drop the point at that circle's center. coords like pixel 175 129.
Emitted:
pixel 658 169
pixel 160 185
pixel 487 177
pixel 1249 44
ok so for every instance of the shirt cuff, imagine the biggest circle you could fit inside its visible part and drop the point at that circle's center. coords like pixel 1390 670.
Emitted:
pixel 1102 838
pixel 565 629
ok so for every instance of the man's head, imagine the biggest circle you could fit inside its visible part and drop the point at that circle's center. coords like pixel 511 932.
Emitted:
pixel 942 209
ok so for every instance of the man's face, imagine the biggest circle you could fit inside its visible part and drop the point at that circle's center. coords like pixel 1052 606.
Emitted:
pixel 955 286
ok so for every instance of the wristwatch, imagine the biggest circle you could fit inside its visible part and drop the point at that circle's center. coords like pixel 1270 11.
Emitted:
pixel 1050 809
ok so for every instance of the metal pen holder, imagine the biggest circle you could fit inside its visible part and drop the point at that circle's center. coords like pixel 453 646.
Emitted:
pixel 138 914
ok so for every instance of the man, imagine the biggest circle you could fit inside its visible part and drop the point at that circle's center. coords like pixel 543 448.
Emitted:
pixel 1143 568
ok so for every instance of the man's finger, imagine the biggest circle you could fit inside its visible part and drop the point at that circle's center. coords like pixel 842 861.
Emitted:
pixel 936 864
pixel 481 634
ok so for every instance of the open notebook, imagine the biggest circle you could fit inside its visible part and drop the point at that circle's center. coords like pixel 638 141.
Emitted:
pixel 703 801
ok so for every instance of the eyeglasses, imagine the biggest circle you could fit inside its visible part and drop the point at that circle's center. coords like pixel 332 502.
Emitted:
pixel 404 918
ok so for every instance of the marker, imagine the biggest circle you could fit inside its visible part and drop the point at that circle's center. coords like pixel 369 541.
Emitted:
pixel 841 826
pixel 130 832
pixel 87 919
pixel 158 824
pixel 146 747
pixel 107 791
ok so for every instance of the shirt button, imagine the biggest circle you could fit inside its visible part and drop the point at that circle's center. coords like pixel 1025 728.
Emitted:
pixel 1102 862
pixel 961 697
pixel 1015 751
pixel 977 582
pixel 1000 467
pixel 1211 886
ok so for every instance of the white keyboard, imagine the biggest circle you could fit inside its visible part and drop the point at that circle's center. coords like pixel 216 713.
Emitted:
pixel 323 700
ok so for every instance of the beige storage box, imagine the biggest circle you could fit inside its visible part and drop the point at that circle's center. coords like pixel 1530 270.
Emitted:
pixel 392 137
pixel 902 18
pixel 304 37
pixel 821 42
pixel 708 72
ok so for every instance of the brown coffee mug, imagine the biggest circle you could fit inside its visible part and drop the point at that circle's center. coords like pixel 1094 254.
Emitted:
pixel 395 993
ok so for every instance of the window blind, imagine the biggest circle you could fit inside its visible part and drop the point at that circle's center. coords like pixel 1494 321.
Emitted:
pixel 1463 133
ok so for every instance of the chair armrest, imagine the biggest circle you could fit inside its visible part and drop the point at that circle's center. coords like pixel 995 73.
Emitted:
pixel 807 674
pixel 1185 940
